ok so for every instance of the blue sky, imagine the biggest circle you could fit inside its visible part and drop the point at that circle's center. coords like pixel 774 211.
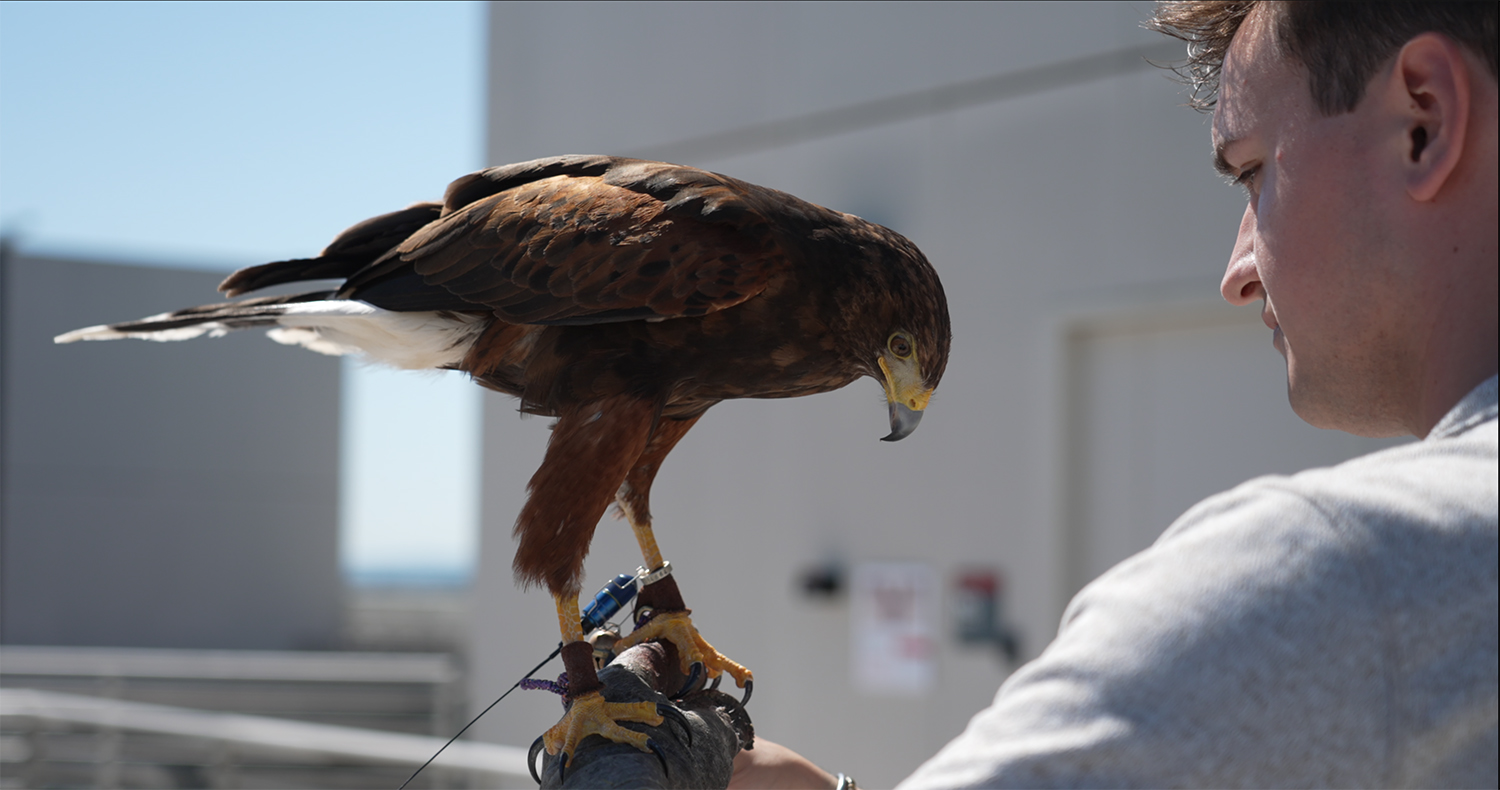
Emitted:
pixel 219 135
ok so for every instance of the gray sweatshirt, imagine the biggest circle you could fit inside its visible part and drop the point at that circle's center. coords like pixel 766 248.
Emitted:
pixel 1335 628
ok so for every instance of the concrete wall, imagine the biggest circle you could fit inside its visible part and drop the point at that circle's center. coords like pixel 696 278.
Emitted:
pixel 1097 387
pixel 161 494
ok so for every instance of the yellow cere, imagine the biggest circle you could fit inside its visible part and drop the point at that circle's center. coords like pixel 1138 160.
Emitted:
pixel 907 391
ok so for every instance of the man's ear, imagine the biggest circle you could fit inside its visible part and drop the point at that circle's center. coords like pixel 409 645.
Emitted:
pixel 1433 78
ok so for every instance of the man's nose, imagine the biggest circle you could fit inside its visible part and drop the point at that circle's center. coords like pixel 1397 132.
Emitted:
pixel 1241 283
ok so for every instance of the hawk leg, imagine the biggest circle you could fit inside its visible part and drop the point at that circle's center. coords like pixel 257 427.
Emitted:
pixel 671 621
pixel 588 712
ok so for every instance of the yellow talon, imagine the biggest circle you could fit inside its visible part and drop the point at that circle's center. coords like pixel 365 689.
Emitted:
pixel 591 715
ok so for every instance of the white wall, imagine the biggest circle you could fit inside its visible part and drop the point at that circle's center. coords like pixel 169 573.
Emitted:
pixel 1080 234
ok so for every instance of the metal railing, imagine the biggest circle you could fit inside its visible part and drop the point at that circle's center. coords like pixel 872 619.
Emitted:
pixel 417 693
pixel 139 717
pixel 213 749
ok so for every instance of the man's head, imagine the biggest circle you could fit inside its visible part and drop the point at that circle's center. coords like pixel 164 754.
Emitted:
pixel 1366 142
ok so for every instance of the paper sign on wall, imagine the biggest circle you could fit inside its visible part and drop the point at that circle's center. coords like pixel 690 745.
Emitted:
pixel 894 607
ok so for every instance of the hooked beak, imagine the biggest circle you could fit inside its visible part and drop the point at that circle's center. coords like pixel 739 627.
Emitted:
pixel 904 395
pixel 903 421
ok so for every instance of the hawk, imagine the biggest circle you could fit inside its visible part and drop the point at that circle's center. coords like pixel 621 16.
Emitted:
pixel 623 298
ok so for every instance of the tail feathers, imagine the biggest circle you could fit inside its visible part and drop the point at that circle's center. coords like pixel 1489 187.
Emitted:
pixel 214 320
pixel 354 249
pixel 410 341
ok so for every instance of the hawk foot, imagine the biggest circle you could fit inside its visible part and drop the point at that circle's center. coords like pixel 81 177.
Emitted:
pixel 591 715
pixel 692 648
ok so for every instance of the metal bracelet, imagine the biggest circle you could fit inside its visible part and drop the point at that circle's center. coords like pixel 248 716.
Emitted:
pixel 651 577
pixel 846 782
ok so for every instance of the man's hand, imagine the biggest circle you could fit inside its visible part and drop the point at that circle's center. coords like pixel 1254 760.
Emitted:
pixel 771 766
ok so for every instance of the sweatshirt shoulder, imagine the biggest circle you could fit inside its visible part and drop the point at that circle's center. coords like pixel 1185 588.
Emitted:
pixel 1449 485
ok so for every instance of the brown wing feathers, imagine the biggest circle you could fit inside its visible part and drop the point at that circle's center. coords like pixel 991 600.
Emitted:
pixel 576 240
pixel 582 250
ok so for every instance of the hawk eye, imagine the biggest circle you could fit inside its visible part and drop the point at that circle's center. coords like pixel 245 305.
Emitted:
pixel 900 346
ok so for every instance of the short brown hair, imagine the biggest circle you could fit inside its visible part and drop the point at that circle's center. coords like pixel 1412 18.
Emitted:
pixel 1341 43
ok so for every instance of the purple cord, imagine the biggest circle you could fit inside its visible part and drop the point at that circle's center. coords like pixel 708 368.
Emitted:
pixel 558 687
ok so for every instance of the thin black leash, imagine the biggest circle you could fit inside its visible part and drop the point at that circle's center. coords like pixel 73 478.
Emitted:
pixel 434 756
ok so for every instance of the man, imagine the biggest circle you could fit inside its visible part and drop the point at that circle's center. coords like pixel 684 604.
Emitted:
pixel 1337 627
